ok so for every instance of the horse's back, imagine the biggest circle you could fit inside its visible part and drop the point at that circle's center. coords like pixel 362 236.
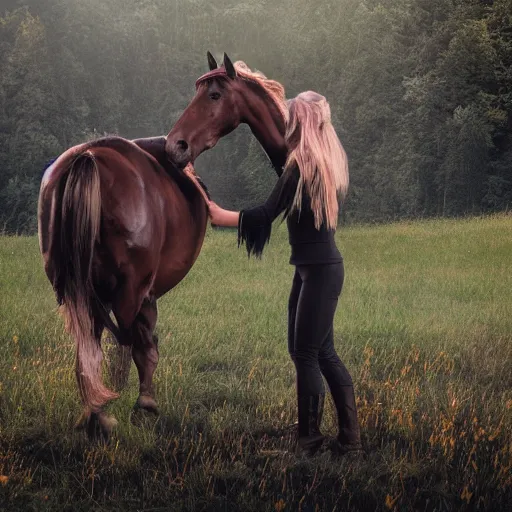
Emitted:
pixel 131 206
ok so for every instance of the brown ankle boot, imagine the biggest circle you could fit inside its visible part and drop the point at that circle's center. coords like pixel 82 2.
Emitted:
pixel 310 438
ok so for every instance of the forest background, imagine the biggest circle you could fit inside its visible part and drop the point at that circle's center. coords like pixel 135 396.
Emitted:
pixel 420 92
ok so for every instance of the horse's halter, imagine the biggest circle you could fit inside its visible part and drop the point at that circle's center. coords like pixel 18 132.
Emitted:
pixel 211 74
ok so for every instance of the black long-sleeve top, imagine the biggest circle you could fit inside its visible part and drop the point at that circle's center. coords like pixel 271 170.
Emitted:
pixel 309 245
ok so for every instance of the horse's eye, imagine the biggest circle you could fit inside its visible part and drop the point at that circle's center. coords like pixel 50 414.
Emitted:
pixel 215 96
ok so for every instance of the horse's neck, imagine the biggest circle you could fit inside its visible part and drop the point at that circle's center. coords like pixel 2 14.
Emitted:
pixel 268 126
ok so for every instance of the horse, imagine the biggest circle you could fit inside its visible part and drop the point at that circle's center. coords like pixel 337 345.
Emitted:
pixel 119 226
pixel 225 97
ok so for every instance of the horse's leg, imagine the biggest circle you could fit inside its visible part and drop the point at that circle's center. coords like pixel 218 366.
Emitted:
pixel 118 358
pixel 145 353
pixel 136 316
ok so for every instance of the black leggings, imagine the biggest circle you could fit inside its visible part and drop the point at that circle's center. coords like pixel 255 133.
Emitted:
pixel 311 309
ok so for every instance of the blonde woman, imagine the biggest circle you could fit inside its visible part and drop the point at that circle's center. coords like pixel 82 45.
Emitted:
pixel 315 175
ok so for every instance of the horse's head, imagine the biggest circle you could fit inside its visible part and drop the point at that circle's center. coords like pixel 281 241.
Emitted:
pixel 212 113
pixel 225 97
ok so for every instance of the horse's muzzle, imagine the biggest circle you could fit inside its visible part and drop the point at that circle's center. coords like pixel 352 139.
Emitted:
pixel 178 152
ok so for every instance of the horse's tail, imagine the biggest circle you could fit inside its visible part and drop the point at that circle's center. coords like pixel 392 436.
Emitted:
pixel 79 199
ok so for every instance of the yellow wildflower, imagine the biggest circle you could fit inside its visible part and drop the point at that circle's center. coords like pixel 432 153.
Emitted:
pixel 390 502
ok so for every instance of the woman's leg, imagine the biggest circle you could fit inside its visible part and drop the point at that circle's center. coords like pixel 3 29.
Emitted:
pixel 340 384
pixel 314 312
pixel 310 407
pixel 305 338
pixel 292 311
pixel 342 390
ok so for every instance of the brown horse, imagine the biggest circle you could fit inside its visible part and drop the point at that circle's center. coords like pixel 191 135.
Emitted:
pixel 226 97
pixel 119 226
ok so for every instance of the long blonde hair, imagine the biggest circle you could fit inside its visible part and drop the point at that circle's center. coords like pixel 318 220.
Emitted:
pixel 317 151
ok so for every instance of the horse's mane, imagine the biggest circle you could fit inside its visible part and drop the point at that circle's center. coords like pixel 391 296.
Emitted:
pixel 274 89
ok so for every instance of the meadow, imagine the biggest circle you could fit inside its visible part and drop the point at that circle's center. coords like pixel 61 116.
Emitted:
pixel 424 325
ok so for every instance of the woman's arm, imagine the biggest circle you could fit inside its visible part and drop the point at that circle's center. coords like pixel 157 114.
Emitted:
pixel 221 217
pixel 255 224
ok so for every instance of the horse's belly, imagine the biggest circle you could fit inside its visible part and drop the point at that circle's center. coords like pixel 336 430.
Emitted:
pixel 175 263
pixel 165 282
pixel 185 235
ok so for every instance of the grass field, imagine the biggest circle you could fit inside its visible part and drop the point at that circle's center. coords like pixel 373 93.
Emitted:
pixel 424 325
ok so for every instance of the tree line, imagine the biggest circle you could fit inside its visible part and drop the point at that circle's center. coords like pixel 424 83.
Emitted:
pixel 420 92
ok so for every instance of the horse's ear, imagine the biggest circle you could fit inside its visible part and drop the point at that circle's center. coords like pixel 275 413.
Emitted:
pixel 212 63
pixel 228 66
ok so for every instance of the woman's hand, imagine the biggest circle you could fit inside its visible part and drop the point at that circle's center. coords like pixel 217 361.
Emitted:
pixel 215 212
pixel 221 217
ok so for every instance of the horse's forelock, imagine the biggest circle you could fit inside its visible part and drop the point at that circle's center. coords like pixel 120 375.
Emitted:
pixel 211 74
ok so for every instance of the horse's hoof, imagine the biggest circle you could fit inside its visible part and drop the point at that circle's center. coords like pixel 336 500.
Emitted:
pixel 107 423
pixel 97 425
pixel 145 412
pixel 146 403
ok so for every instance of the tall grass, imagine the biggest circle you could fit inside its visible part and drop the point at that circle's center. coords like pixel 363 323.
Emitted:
pixel 424 325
